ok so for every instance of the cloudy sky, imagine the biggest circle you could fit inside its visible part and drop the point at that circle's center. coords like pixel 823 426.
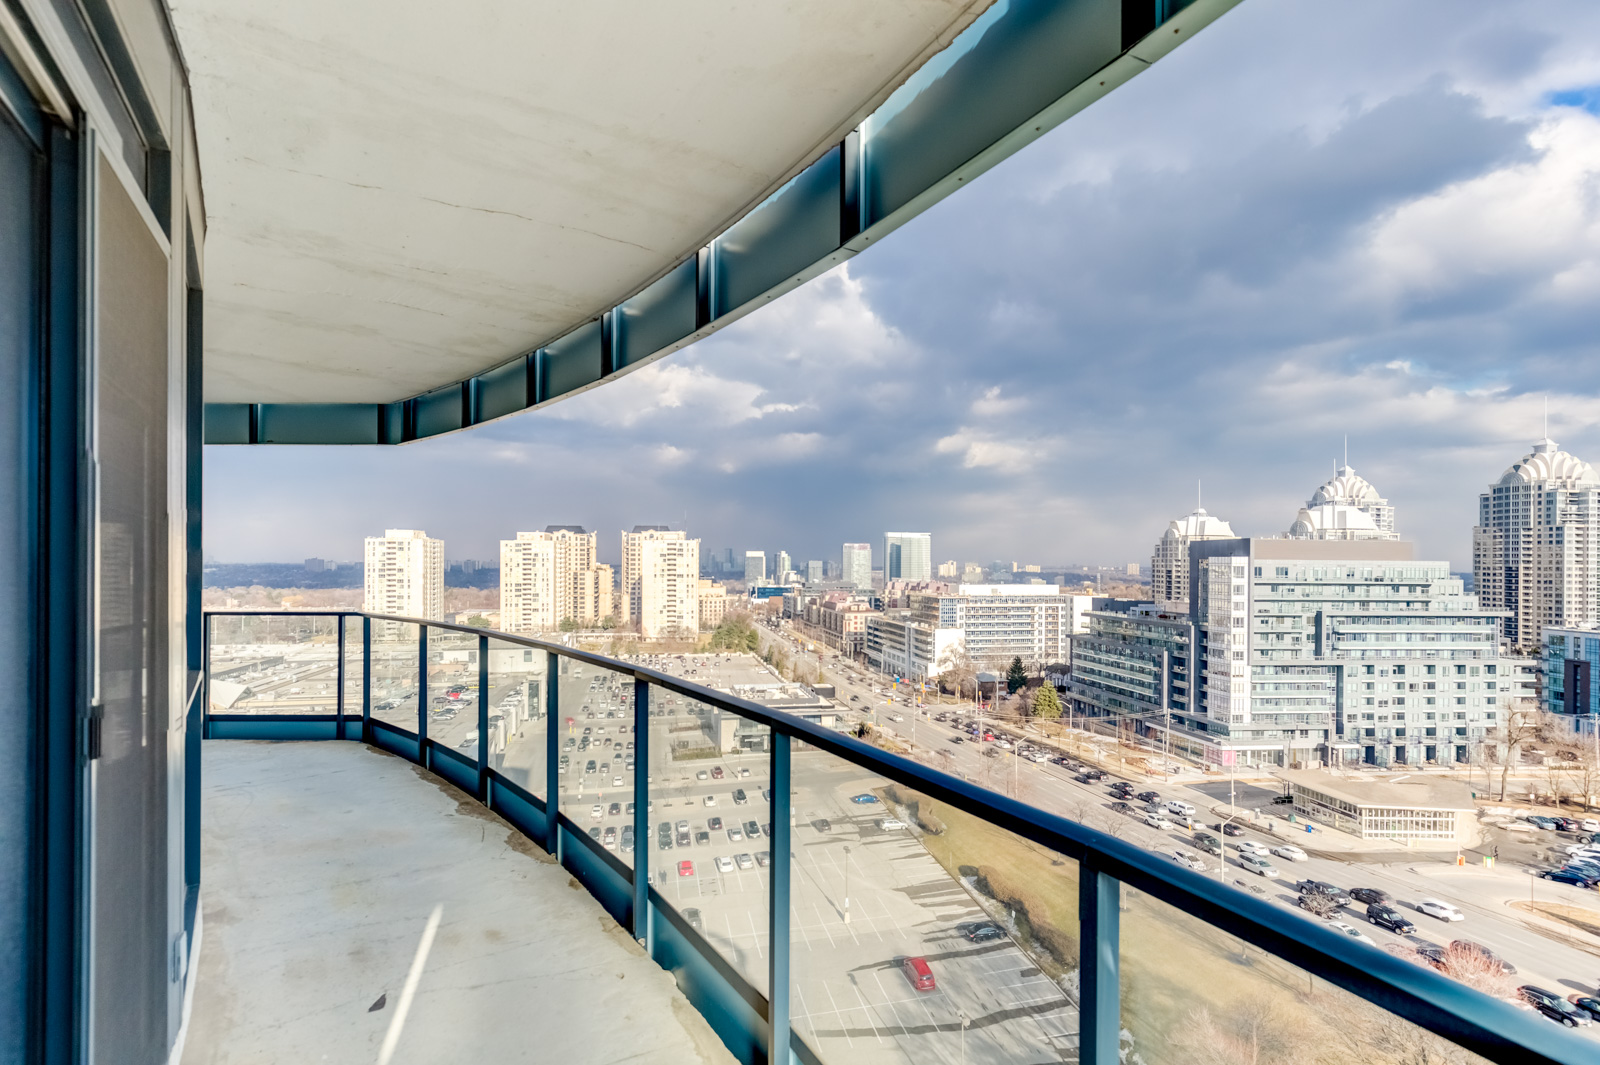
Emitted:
pixel 1373 218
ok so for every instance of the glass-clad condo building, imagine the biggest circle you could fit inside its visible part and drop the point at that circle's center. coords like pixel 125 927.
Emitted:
pixel 364 226
pixel 1309 652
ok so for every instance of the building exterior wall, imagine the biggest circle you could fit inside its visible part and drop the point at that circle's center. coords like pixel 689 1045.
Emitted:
pixel 755 567
pixel 858 565
pixel 404 574
pixel 1570 667
pixel 907 556
pixel 1536 547
pixel 712 599
pixel 660 581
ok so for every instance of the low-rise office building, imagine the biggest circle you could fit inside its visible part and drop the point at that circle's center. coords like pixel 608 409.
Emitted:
pixel 1568 661
pixel 1407 808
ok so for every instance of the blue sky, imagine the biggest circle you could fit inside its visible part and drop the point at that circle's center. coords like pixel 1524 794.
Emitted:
pixel 1366 218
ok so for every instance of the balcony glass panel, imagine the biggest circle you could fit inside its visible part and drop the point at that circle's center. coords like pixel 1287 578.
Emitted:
pixel 453 690
pixel 395 673
pixel 517 718
pixel 274 664
pixel 885 878
pixel 1193 995
pixel 710 773
pixel 597 723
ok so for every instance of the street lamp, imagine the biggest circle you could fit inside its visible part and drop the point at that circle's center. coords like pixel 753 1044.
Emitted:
pixel 847 883
pixel 964 1022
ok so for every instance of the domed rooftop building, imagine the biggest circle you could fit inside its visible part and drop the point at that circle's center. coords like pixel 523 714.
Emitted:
pixel 1169 563
pixel 1347 488
pixel 1336 521
pixel 1536 547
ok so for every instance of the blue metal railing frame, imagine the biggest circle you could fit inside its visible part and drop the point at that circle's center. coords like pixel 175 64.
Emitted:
pixel 743 1017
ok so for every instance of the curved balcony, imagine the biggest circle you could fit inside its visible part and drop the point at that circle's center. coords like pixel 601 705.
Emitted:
pixel 816 898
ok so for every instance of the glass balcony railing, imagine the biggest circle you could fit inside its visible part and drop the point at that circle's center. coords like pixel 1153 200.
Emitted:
pixel 813 892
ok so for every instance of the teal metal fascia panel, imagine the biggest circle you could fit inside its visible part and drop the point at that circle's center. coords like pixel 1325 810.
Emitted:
pixel 1020 57
pixel 1020 69
pixel 229 423
pixel 439 411
pixel 502 391
pixel 785 236
pixel 314 423
pixel 658 318
pixel 571 362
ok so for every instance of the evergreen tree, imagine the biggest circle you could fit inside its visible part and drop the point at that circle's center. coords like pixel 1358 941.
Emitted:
pixel 1016 677
pixel 1046 704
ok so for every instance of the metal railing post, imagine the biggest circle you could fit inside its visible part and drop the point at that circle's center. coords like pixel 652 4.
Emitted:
pixel 642 926
pixel 339 703
pixel 205 681
pixel 422 698
pixel 778 907
pixel 366 679
pixel 483 719
pixel 1099 990
pixel 552 769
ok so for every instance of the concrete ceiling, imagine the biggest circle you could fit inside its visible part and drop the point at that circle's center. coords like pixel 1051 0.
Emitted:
pixel 402 195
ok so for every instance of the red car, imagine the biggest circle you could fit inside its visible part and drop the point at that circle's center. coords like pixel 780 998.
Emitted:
pixel 716 772
pixel 917 971
pixel 685 868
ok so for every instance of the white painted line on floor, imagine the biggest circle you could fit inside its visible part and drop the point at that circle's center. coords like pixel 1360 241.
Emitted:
pixel 844 1023
pixel 391 1038
pixel 755 935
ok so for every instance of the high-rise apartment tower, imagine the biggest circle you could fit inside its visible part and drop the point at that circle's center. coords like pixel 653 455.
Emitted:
pixel 551 576
pixel 405 575
pixel 660 581
pixel 1536 548
pixel 1169 563
pixel 907 556
pixel 858 565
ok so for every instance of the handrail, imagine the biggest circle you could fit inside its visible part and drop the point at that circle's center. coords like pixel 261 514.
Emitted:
pixel 1494 1029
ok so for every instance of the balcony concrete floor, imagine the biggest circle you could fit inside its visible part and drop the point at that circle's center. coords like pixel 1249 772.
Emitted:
pixel 322 864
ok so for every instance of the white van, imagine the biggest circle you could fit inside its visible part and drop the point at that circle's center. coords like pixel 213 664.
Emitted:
pixel 1180 808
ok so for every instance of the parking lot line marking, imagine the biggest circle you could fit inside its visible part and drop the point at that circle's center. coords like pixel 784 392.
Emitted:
pixel 823 926
pixel 755 936
pixel 885 990
pixel 854 986
pixel 843 1023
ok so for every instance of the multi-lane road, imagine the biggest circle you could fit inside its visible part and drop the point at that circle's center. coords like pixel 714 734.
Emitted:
pixel 1561 960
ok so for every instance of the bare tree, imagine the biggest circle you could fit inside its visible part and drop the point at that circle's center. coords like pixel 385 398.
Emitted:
pixel 1477 968
pixel 1524 725
pixel 1249 1033
pixel 1319 905
pixel 957 670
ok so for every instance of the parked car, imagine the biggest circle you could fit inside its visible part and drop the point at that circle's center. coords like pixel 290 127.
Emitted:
pixel 1555 1007
pixel 1575 877
pixel 888 824
pixel 1442 910
pixel 724 864
pixel 863 799
pixel 702 838
pixel 744 861
pixel 686 868
pixel 822 824
pixel 917 971
pixel 1386 916
pixel 763 858
pixel 692 915
pixel 980 931
pixel 1369 895
pixel 739 797
pixel 716 772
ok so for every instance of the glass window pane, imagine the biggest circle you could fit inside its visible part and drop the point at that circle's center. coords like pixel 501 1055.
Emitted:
pixel 598 741
pixel 517 719
pixel 453 690
pixel 922 933
pixel 1195 995
pixel 395 673
pixel 710 772
pixel 274 664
